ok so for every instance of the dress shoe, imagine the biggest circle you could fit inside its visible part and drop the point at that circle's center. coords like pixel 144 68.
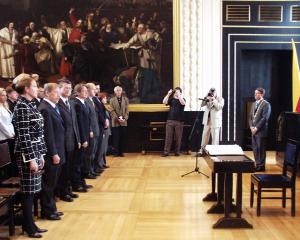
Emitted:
pixel 79 189
pixel 260 169
pixel 41 230
pixel 87 186
pixel 37 229
pixel 34 235
pixel 59 214
pixel 66 198
pixel 96 174
pixel 90 176
pixel 121 155
pixel 165 154
pixel 99 170
pixel 105 166
pixel 177 154
pixel 73 195
pixel 52 217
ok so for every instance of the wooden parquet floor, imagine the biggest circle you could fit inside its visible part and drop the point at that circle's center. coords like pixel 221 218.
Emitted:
pixel 144 197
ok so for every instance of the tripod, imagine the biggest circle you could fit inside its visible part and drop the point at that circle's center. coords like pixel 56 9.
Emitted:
pixel 196 169
pixel 190 138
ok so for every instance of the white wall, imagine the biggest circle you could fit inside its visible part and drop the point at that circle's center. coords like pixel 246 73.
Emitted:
pixel 201 52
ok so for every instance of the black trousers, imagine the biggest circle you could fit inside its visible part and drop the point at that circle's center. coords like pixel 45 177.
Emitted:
pixel 64 181
pixel 98 151
pixel 77 174
pixel 172 127
pixel 27 204
pixel 90 155
pixel 49 184
pixel 119 138
pixel 259 150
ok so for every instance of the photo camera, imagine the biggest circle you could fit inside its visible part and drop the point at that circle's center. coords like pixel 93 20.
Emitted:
pixel 211 92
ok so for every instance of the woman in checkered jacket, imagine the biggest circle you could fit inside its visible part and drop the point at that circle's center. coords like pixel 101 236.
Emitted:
pixel 29 149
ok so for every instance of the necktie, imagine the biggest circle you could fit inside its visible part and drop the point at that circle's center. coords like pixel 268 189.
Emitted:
pixel 67 104
pixel 57 110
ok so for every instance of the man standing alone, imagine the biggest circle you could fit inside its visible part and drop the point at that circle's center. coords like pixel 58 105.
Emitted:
pixel 258 123
pixel 119 114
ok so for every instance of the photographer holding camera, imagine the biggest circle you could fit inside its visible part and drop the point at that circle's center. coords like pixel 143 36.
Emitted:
pixel 175 120
pixel 212 118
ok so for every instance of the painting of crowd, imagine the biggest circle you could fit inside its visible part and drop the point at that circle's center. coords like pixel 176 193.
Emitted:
pixel 127 43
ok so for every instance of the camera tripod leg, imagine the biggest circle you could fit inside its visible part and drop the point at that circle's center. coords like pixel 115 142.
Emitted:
pixel 188 173
pixel 197 171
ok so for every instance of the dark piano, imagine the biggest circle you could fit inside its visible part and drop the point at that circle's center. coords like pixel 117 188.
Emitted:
pixel 288 127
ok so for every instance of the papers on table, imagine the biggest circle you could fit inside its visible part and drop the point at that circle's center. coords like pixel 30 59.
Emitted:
pixel 224 150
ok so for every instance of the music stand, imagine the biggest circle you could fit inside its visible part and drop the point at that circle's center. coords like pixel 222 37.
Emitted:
pixel 190 137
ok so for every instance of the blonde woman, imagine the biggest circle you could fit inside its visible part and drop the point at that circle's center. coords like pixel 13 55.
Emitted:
pixel 7 132
pixel 29 150
pixel 6 128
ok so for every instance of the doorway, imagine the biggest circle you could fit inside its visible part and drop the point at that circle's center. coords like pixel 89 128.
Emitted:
pixel 272 70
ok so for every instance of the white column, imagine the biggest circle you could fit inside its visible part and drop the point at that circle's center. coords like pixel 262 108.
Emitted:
pixel 201 51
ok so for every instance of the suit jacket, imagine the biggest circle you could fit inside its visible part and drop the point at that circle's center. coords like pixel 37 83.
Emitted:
pixel 11 105
pixel 215 108
pixel 100 109
pixel 29 143
pixel 54 131
pixel 260 117
pixel 94 124
pixel 82 115
pixel 29 130
pixel 117 111
pixel 72 137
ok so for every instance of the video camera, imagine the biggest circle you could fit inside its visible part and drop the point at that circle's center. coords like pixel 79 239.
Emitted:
pixel 211 93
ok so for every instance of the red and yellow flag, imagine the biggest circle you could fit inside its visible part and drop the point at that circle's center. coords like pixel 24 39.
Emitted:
pixel 296 80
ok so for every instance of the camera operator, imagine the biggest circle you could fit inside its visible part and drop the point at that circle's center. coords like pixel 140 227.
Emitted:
pixel 175 120
pixel 212 118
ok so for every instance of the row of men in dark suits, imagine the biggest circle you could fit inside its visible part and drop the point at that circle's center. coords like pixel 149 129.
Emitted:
pixel 73 132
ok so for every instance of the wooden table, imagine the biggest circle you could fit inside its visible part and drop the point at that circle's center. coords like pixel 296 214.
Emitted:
pixel 225 166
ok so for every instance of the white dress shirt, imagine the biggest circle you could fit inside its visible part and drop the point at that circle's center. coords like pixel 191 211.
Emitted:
pixel 6 128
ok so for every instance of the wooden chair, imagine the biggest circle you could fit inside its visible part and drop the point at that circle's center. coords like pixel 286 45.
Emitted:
pixel 14 182
pixel 7 195
pixel 278 182
pixel 7 199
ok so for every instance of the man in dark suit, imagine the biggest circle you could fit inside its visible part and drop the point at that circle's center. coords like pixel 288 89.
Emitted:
pixel 258 123
pixel 94 133
pixel 102 120
pixel 72 140
pixel 82 115
pixel 54 132
pixel 12 97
